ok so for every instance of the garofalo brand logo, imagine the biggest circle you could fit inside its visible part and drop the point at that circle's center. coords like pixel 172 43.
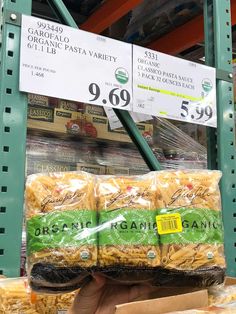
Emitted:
pixel 189 192
pixel 59 200
pixel 129 198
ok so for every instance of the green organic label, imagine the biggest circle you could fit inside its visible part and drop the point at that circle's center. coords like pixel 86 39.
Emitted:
pixel 122 75
pixel 61 229
pixel 128 227
pixel 199 226
pixel 207 85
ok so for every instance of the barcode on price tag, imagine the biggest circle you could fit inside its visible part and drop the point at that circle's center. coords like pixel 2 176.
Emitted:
pixel 169 223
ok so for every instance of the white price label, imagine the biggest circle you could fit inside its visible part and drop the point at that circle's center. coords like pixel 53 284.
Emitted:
pixel 115 122
pixel 67 63
pixel 173 88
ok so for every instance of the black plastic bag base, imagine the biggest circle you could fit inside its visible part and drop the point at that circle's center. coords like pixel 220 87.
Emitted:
pixel 51 279
pixel 158 276
pixel 57 276
pixel 130 274
pixel 201 278
pixel 53 290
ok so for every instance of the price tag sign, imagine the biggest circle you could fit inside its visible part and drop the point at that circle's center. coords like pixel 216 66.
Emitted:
pixel 63 62
pixel 173 88
pixel 115 122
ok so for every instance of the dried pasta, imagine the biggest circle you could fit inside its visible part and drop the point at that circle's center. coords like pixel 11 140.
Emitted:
pixel 54 304
pixel 61 216
pixel 189 213
pixel 127 226
pixel 222 294
pixel 16 298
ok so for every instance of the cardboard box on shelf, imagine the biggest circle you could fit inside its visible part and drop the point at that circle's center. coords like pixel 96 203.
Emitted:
pixel 94 110
pixel 39 100
pixel 73 122
pixel 188 301
pixel 117 170
pixel 190 129
pixel 71 105
pixel 53 119
pixel 95 169
pixel 103 130
pixel 230 281
pixel 138 171
pixel 36 165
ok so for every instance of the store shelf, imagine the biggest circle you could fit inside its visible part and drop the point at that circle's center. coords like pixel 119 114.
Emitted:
pixel 14 106
pixel 109 12
pixel 178 40
pixel 13 119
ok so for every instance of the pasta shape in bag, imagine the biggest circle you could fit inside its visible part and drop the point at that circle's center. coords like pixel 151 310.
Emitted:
pixel 127 225
pixel 16 297
pixel 61 217
pixel 189 219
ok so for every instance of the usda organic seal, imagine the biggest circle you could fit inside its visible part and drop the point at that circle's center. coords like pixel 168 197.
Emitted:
pixel 84 255
pixel 151 255
pixel 122 75
pixel 207 85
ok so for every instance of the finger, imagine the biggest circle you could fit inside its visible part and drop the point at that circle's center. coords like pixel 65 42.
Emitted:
pixel 141 292
pixel 86 301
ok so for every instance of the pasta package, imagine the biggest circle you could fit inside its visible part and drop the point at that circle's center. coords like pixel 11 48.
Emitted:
pixel 61 217
pixel 161 227
pixel 16 297
pixel 189 220
pixel 127 221
pixel 53 304
pixel 222 294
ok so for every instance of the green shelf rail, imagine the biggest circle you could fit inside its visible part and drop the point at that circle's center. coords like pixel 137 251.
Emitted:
pixel 13 121
pixel 221 145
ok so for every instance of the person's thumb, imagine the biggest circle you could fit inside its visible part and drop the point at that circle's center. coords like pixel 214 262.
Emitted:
pixel 87 299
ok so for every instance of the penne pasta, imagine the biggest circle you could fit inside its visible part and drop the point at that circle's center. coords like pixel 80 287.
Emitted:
pixel 192 238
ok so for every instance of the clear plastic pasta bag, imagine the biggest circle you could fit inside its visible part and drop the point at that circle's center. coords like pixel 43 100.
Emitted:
pixel 16 297
pixel 128 244
pixel 162 227
pixel 222 294
pixel 61 239
pixel 189 223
